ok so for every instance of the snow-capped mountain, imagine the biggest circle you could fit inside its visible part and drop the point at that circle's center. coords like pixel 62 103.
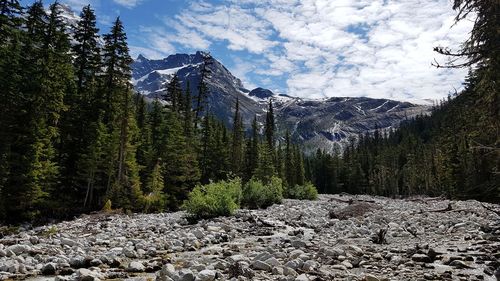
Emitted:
pixel 325 123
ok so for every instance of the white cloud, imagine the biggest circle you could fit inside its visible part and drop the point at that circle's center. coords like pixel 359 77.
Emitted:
pixel 77 5
pixel 323 48
pixel 128 3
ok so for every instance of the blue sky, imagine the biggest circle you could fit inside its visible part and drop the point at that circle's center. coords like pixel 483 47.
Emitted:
pixel 306 48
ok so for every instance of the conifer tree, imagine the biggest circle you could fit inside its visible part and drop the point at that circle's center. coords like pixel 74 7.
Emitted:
pixel 80 121
pixel 237 142
pixel 10 69
pixel 270 126
pixel 181 171
pixel 201 98
pixel 252 151
pixel 174 94
pixel 188 113
pixel 123 174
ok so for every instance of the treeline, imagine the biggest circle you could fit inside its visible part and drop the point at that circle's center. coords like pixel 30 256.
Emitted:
pixel 454 152
pixel 74 135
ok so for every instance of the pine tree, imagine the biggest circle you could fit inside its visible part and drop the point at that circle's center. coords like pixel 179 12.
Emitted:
pixel 80 121
pixel 181 171
pixel 188 114
pixel 237 142
pixel 201 98
pixel 174 94
pixel 290 169
pixel 124 188
pixel 10 69
pixel 252 152
pixel 265 167
pixel 270 126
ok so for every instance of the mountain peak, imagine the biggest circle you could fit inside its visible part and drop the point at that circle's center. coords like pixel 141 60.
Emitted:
pixel 261 93
pixel 141 58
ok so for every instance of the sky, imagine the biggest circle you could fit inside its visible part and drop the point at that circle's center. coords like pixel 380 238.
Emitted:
pixel 304 48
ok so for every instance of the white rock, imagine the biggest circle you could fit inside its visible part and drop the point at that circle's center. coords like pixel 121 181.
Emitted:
pixel 206 275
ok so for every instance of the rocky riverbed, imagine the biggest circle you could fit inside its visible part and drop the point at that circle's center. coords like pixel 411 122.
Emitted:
pixel 333 238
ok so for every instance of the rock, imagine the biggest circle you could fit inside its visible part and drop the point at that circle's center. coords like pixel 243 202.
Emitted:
pixel 421 258
pixel 310 265
pixel 294 264
pixel 49 269
pixel 460 264
pixel 287 271
pixel 135 266
pixel 186 275
pixel 77 262
pixel 278 270
pixel 19 249
pixel 369 277
pixel 62 278
pixel 302 277
pixel 168 272
pixel 129 253
pixel 198 233
pixel 84 274
pixel 273 262
pixel 206 275
pixel 296 253
pixel 240 269
pixel 298 244
pixel 357 250
pixel 69 242
pixel 260 265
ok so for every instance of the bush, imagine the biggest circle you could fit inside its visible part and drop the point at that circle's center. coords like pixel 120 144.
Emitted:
pixel 214 199
pixel 259 195
pixel 107 206
pixel 303 192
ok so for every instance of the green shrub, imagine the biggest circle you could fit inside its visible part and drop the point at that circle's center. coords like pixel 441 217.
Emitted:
pixel 107 206
pixel 303 192
pixel 214 199
pixel 259 195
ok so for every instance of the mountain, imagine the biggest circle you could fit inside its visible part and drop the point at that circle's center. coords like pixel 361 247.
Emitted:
pixel 325 123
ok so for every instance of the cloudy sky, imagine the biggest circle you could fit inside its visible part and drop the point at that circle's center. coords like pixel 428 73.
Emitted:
pixel 306 48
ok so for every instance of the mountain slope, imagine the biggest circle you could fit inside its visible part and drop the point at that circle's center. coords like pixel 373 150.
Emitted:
pixel 326 123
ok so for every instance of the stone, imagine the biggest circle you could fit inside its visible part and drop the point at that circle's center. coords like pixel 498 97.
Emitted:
pixel 84 274
pixel 310 265
pixel 273 262
pixel 295 264
pixel 287 271
pixel 19 249
pixel 198 233
pixel 421 258
pixel 357 250
pixel 49 269
pixel 206 275
pixel 459 264
pixel 129 253
pixel 260 265
pixel 369 277
pixel 298 244
pixel 168 272
pixel 186 274
pixel 77 262
pixel 302 277
pixel 69 242
pixel 135 266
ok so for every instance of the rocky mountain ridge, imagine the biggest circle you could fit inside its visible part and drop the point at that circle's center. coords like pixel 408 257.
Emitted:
pixel 326 123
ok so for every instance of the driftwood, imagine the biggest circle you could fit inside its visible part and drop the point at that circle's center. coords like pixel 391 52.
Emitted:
pixel 497 212
pixel 426 200
pixel 379 237
pixel 350 201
